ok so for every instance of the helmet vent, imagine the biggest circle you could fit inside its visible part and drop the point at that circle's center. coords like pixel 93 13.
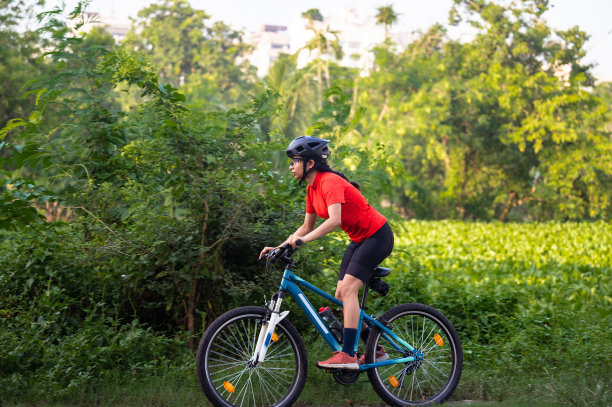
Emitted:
pixel 313 145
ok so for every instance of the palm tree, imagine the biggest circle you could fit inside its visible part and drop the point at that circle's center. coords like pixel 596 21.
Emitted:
pixel 298 89
pixel 386 16
pixel 324 42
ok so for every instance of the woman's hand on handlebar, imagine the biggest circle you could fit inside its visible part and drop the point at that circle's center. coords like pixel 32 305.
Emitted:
pixel 265 251
pixel 295 241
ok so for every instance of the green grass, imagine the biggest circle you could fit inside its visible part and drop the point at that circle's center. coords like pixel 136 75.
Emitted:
pixel 180 389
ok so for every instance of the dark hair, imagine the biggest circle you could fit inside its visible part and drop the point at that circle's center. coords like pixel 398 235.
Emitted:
pixel 323 166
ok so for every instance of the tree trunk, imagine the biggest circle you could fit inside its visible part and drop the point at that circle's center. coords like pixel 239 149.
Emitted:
pixel 192 297
pixel 511 197
pixel 189 310
pixel 354 102
pixel 319 84
pixel 447 157
pixel 383 111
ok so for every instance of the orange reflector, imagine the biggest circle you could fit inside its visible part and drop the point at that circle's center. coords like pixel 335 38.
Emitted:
pixel 274 337
pixel 438 340
pixel 229 387
pixel 394 382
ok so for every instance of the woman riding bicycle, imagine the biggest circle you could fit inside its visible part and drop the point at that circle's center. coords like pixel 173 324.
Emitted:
pixel 331 196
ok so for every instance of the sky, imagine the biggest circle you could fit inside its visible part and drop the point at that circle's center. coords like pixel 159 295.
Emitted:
pixel 592 16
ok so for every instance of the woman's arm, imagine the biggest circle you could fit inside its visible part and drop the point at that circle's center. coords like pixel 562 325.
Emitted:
pixel 309 221
pixel 331 224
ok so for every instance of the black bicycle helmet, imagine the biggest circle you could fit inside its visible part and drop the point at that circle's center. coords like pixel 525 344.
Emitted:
pixel 308 147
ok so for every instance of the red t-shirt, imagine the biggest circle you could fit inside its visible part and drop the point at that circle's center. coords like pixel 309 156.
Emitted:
pixel 359 219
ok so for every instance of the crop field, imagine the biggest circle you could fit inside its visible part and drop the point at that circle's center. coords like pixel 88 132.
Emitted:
pixel 532 303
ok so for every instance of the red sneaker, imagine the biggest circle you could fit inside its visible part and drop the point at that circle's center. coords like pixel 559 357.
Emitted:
pixel 340 360
pixel 380 356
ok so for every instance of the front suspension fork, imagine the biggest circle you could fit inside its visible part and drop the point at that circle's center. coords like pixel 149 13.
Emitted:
pixel 267 330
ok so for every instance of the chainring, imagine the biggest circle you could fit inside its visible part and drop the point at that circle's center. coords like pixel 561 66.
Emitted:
pixel 346 377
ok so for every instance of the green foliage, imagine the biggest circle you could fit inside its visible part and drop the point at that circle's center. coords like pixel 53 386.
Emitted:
pixel 205 60
pixel 499 127
pixel 19 60
pixel 59 317
pixel 298 92
pixel 17 197
pixel 165 200
pixel 386 16
pixel 86 358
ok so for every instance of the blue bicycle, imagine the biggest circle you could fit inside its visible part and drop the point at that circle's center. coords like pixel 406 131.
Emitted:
pixel 253 356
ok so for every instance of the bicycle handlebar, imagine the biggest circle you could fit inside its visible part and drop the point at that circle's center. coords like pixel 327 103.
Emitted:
pixel 284 252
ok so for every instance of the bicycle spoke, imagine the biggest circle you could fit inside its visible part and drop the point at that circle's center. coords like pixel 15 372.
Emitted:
pixel 266 385
pixel 276 376
pixel 220 371
pixel 231 349
pixel 434 366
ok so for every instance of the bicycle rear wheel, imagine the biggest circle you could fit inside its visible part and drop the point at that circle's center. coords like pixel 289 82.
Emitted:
pixel 227 346
pixel 427 381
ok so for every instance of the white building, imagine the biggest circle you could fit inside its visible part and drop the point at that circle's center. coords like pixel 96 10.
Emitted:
pixel 117 27
pixel 357 34
pixel 270 41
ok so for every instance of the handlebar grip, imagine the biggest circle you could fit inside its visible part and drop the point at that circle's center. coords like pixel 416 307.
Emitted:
pixel 285 247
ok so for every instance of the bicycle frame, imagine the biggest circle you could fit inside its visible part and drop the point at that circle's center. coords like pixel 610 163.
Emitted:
pixel 291 284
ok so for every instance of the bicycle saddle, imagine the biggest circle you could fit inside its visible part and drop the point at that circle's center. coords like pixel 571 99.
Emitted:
pixel 381 272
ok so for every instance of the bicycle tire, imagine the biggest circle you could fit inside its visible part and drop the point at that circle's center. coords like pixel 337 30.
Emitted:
pixel 419 383
pixel 226 347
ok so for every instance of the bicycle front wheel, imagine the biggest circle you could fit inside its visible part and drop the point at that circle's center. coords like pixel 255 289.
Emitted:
pixel 429 380
pixel 225 374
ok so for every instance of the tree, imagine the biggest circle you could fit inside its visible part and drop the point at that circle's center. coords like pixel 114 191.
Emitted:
pixel 604 92
pixel 548 143
pixel 299 92
pixel 324 43
pixel 386 17
pixel 206 61
pixel 172 32
pixel 499 127
pixel 223 77
pixel 164 195
pixel 19 59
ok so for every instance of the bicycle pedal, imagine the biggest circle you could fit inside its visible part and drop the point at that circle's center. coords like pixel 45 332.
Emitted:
pixel 330 369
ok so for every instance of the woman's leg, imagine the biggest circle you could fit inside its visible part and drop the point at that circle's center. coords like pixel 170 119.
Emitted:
pixel 349 292
pixel 358 263
pixel 359 267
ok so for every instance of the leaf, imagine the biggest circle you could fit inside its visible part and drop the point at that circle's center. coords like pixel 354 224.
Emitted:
pixel 11 125
pixel 178 96
pixel 35 117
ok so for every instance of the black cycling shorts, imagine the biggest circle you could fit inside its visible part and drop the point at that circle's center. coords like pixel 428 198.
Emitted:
pixel 360 259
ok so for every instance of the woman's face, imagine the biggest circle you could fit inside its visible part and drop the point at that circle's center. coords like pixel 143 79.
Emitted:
pixel 296 166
